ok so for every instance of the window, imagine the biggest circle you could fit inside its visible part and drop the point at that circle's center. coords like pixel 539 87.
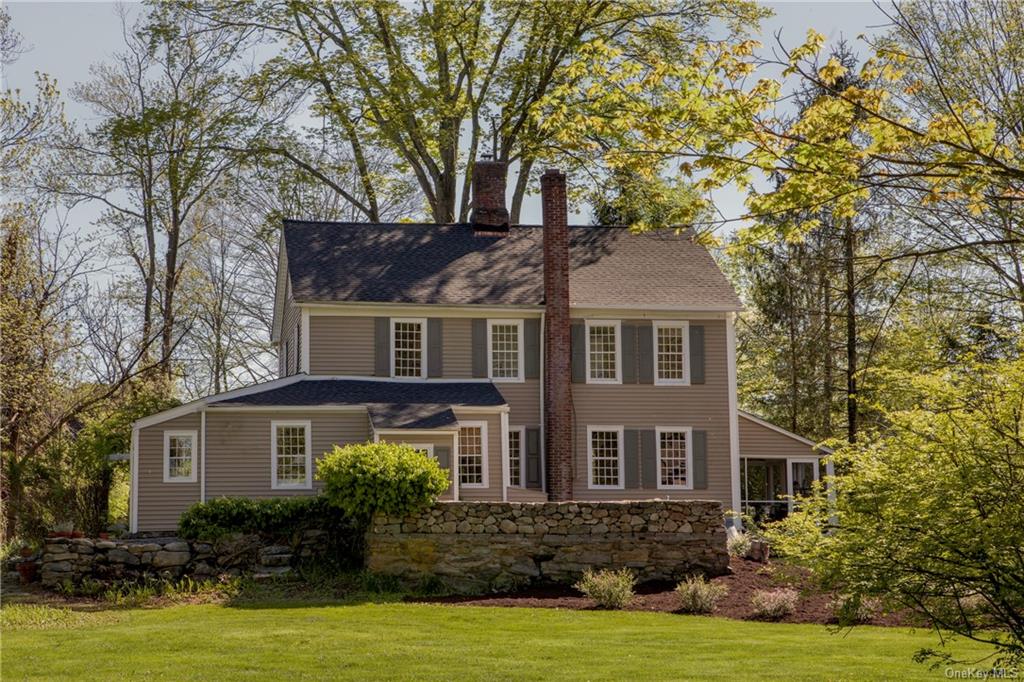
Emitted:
pixel 603 349
pixel 473 455
pixel 426 448
pixel 409 343
pixel 675 460
pixel 515 456
pixel 180 456
pixel 505 349
pixel 290 456
pixel 604 450
pixel 671 352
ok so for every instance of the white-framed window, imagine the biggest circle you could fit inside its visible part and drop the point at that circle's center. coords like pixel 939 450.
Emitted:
pixel 409 347
pixel 473 454
pixel 605 457
pixel 180 464
pixel 675 457
pixel 426 448
pixel 671 353
pixel 516 455
pixel 604 351
pixel 291 455
pixel 505 355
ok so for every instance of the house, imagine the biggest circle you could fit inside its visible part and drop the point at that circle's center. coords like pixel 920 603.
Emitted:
pixel 548 362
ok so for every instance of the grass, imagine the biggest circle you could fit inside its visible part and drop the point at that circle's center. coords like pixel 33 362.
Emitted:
pixel 370 640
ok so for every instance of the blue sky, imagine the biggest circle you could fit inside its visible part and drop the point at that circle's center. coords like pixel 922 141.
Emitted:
pixel 65 38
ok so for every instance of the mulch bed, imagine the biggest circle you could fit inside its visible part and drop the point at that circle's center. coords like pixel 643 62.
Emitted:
pixel 746 578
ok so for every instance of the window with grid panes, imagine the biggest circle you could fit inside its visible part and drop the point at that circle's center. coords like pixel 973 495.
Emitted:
pixel 515 457
pixel 471 455
pixel 602 352
pixel 604 458
pixel 180 451
pixel 504 351
pixel 671 358
pixel 408 345
pixel 290 441
pixel 672 459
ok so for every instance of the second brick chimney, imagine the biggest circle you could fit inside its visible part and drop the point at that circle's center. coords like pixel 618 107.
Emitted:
pixel 489 214
pixel 558 410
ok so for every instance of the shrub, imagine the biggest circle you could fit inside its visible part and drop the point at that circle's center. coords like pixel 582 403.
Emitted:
pixel 774 604
pixel 738 544
pixel 276 518
pixel 610 589
pixel 853 609
pixel 697 595
pixel 380 477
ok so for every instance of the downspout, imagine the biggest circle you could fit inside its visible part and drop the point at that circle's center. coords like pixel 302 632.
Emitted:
pixel 505 465
pixel 455 467
pixel 734 422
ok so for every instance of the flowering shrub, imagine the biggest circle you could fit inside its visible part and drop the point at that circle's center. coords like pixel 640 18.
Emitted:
pixel 610 589
pixel 774 604
pixel 697 595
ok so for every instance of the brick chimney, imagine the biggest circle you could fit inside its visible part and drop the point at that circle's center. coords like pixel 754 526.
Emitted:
pixel 558 411
pixel 489 215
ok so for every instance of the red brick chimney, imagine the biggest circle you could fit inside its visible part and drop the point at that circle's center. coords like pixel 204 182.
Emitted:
pixel 489 215
pixel 558 411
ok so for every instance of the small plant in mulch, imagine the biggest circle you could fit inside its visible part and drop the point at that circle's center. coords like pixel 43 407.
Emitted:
pixel 738 544
pixel 854 609
pixel 697 595
pixel 610 589
pixel 774 604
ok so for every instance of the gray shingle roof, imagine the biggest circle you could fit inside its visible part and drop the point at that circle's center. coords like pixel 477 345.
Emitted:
pixel 406 416
pixel 449 265
pixel 360 392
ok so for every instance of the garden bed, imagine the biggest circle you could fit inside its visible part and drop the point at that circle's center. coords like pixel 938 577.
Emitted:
pixel 746 578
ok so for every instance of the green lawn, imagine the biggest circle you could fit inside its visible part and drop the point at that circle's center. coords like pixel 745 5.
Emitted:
pixel 418 641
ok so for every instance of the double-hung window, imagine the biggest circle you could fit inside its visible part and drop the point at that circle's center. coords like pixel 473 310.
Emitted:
pixel 291 460
pixel 675 457
pixel 505 350
pixel 671 353
pixel 516 443
pixel 180 456
pixel 473 455
pixel 409 347
pixel 605 457
pixel 604 352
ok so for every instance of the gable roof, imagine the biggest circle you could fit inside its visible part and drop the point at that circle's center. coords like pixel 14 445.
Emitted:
pixel 425 263
pixel 331 391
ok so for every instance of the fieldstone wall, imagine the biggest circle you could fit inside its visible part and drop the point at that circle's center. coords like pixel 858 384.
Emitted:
pixel 73 559
pixel 473 546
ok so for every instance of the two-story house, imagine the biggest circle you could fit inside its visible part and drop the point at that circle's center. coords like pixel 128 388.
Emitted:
pixel 547 362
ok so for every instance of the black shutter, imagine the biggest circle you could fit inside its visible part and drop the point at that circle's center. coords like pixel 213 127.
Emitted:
pixel 443 454
pixel 533 458
pixel 696 354
pixel 645 353
pixel 382 346
pixel 700 460
pixel 631 458
pixel 480 349
pixel 629 364
pixel 435 344
pixel 531 340
pixel 649 458
pixel 578 349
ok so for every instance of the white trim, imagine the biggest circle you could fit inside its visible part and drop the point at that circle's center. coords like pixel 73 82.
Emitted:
pixel 202 456
pixel 279 292
pixel 649 311
pixel 426 447
pixel 368 309
pixel 481 409
pixel 620 430
pixel 521 430
pixel 303 351
pixel 287 408
pixel 484 452
pixel 672 324
pixel 422 321
pixel 505 464
pixel 194 454
pixel 789 434
pixel 133 489
pixel 274 485
pixel 455 466
pixel 412 432
pixel 688 430
pixel 617 325
pixel 734 422
pixel 520 361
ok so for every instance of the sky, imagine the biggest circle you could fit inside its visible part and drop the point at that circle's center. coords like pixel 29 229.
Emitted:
pixel 64 39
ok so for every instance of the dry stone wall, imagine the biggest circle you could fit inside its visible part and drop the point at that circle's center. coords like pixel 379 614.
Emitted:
pixel 491 546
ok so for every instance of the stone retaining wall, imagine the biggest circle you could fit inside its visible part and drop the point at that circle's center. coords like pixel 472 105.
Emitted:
pixel 74 559
pixel 490 546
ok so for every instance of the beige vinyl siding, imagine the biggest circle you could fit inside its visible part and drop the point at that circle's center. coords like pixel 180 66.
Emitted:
pixel 757 440
pixel 446 440
pixel 526 495
pixel 238 447
pixel 644 406
pixel 523 401
pixel 457 352
pixel 160 504
pixel 494 478
pixel 341 345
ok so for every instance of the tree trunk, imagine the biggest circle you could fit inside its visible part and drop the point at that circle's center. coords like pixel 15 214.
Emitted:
pixel 851 334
